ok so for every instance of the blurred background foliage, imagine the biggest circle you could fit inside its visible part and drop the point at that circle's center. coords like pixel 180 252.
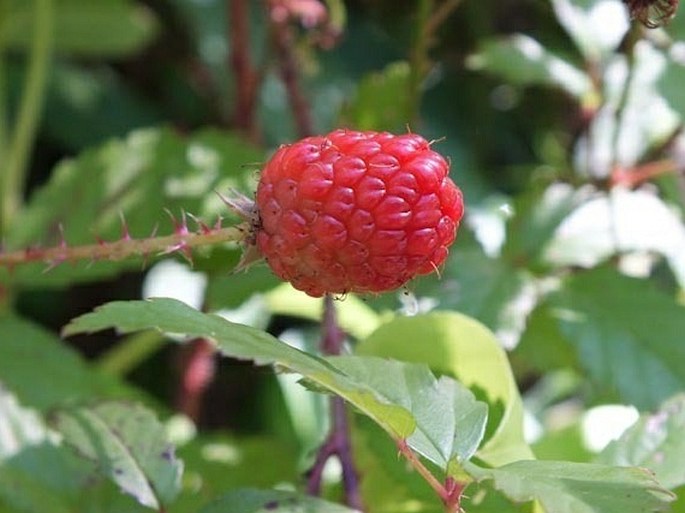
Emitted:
pixel 563 123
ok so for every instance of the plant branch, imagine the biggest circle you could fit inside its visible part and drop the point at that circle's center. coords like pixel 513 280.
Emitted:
pixel 429 19
pixel 182 240
pixel 29 113
pixel 450 493
pixel 283 42
pixel 632 177
pixel 338 442
pixel 246 77
pixel 427 475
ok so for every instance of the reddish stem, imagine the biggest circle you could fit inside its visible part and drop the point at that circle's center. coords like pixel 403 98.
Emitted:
pixel 182 240
pixel 197 372
pixel 632 177
pixel 246 77
pixel 283 42
pixel 450 492
pixel 338 441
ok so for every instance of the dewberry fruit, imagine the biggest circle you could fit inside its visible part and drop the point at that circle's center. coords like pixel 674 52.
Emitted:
pixel 356 211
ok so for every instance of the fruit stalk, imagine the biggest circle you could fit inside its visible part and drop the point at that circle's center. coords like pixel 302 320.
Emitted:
pixel 338 441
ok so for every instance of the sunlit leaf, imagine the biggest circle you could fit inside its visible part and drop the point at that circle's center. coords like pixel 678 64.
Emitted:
pixel 655 442
pixel 564 487
pixel 450 422
pixel 522 60
pixel 596 26
pixel 622 221
pixel 128 444
pixel 244 342
pixel 459 346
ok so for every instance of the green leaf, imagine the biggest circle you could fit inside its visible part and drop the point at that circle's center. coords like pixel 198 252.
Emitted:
pixel 138 177
pixel 216 463
pixel 387 483
pixel 129 445
pixel 238 341
pixel 543 346
pixel 370 396
pixel 86 106
pixel 106 28
pixel 450 422
pixel 33 470
pixel 382 101
pixel 259 501
pixel 456 345
pixel 655 442
pixel 520 59
pixel 564 487
pixel 673 77
pixel 43 372
pixel 621 328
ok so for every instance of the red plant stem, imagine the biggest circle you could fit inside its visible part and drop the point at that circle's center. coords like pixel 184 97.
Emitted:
pixel 632 177
pixel 126 247
pixel 283 40
pixel 338 441
pixel 246 77
pixel 450 493
pixel 197 370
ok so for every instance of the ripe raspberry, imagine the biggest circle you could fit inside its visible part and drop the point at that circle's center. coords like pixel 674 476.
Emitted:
pixel 356 211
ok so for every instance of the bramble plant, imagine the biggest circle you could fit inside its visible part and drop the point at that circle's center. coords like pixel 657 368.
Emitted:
pixel 335 349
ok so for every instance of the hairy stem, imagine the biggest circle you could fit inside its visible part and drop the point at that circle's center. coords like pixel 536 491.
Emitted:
pixel 338 441
pixel 126 247
pixel 15 168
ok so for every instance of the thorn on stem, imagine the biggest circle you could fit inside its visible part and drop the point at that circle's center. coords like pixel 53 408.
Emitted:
pixel 125 234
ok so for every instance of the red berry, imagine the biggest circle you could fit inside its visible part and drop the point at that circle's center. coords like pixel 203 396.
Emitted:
pixel 356 211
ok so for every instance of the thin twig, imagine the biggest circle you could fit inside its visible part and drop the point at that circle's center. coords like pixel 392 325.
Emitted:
pixel 440 15
pixel 246 78
pixel 427 475
pixel 429 19
pixel 450 493
pixel 283 42
pixel 338 441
